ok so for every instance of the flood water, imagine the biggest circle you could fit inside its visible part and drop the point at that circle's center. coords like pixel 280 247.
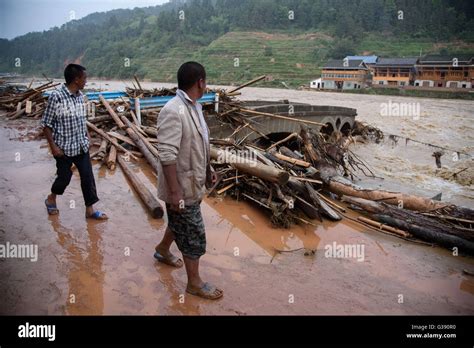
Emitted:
pixel 90 267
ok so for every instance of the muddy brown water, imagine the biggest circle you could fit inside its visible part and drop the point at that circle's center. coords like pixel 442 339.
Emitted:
pixel 89 267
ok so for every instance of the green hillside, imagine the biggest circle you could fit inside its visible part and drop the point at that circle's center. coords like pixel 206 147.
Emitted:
pixel 152 42
pixel 286 57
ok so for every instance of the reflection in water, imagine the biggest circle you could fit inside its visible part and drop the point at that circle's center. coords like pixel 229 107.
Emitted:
pixel 467 285
pixel 178 300
pixel 255 225
pixel 84 268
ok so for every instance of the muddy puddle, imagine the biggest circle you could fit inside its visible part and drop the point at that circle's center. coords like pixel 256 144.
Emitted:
pixel 89 267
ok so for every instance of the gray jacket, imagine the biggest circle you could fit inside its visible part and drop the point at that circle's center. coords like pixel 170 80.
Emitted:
pixel 183 141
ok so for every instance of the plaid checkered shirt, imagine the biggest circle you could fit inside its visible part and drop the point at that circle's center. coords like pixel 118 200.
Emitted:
pixel 65 114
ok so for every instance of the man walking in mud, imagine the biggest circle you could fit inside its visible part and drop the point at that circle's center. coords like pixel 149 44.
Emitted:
pixel 184 173
pixel 64 125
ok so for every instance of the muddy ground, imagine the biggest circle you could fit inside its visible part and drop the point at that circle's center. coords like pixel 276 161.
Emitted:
pixel 89 267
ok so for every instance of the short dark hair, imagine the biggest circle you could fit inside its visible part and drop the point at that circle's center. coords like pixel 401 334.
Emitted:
pixel 189 73
pixel 72 71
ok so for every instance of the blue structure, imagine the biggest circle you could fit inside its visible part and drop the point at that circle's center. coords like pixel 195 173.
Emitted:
pixel 95 95
pixel 365 59
pixel 154 102
pixel 146 102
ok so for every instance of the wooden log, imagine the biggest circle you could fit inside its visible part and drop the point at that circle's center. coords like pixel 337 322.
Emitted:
pixel 102 149
pixel 98 119
pixel 121 137
pixel 150 147
pixel 112 158
pixel 287 152
pixel 150 201
pixel 151 131
pixel 426 223
pixel 233 90
pixel 109 138
pixel 308 146
pixel 151 158
pixel 282 163
pixel 138 111
pixel 309 209
pixel 134 118
pixel 293 119
pixel 324 208
pixel 384 227
pixel 112 113
pixel 291 160
pixel 254 168
pixel 406 201
pixel 331 203
pixel 445 240
pixel 291 136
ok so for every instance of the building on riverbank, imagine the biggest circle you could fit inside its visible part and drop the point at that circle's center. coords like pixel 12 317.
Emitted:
pixel 343 74
pixel 398 72
pixel 455 71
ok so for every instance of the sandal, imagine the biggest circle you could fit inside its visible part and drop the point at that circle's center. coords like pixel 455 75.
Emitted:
pixel 169 260
pixel 208 291
pixel 98 215
pixel 52 208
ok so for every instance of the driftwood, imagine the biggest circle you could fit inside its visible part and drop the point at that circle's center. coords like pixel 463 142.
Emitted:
pixel 254 168
pixel 102 149
pixel 151 159
pixel 419 225
pixel 340 186
pixel 149 199
pixel 446 240
pixel 112 157
pixel 110 139
pixel 112 113
pixel 322 205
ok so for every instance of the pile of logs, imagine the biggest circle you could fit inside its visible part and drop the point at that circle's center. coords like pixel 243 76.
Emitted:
pixel 304 178
pixel 297 180
pixel 28 102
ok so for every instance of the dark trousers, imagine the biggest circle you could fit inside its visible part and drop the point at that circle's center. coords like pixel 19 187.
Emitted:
pixel 64 174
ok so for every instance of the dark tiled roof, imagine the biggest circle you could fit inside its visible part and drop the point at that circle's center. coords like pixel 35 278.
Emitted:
pixel 396 61
pixel 339 64
pixel 436 58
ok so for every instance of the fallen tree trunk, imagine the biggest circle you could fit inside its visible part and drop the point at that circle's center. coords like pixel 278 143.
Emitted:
pixel 419 225
pixel 447 240
pixel 254 168
pixel 342 186
pixel 150 201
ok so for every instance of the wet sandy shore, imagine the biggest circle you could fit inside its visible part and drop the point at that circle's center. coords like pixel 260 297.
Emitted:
pixel 84 267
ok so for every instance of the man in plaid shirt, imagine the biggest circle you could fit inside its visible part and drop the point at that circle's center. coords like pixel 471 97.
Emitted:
pixel 64 125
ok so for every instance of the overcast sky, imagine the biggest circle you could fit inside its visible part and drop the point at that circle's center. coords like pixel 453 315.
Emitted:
pixel 18 17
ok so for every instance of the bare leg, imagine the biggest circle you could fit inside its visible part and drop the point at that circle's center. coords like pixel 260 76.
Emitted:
pixel 165 243
pixel 164 250
pixel 192 270
pixel 52 198
pixel 195 284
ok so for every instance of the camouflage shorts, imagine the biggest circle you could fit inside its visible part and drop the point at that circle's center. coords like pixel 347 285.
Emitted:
pixel 188 230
